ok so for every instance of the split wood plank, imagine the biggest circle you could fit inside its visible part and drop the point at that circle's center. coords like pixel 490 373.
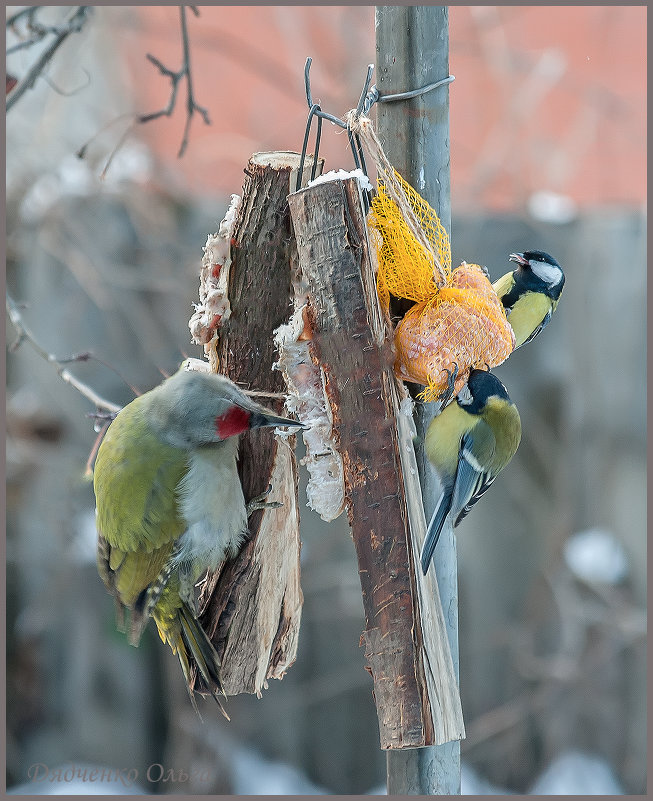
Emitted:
pixel 251 606
pixel 405 639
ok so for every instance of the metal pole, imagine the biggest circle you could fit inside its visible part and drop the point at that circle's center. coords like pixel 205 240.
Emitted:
pixel 412 44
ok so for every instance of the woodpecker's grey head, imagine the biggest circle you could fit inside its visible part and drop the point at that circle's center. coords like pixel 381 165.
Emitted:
pixel 193 408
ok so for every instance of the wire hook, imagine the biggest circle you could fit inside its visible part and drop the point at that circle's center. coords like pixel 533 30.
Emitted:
pixel 369 96
pixel 315 110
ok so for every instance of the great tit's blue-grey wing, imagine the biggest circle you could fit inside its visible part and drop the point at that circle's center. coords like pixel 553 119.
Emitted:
pixel 472 476
pixel 435 527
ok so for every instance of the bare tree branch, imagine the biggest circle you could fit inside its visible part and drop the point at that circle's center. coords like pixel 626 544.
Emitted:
pixel 60 32
pixel 25 335
pixel 117 147
pixel 69 92
pixel 175 79
pixel 29 12
pixel 23 45
pixel 87 356
pixel 81 153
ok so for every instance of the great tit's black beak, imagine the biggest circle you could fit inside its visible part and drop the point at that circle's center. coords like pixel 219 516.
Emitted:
pixel 519 258
pixel 258 420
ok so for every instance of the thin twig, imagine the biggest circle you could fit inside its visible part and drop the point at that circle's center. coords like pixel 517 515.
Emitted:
pixel 25 335
pixel 256 394
pixel 88 472
pixel 73 25
pixel 119 144
pixel 70 92
pixel 175 79
pixel 81 153
pixel 24 44
pixel 509 714
pixel 39 30
pixel 29 11
pixel 87 356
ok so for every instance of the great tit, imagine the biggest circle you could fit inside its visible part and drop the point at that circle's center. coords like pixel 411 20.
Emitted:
pixel 469 443
pixel 530 293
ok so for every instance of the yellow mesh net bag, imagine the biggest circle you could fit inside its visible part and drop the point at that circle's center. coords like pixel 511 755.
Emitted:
pixel 407 267
pixel 458 322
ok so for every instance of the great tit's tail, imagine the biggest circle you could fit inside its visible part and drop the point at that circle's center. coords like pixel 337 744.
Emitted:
pixel 435 529
pixel 198 658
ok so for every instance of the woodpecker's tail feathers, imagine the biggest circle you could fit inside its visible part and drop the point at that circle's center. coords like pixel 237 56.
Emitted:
pixel 199 659
pixel 121 624
pixel 144 606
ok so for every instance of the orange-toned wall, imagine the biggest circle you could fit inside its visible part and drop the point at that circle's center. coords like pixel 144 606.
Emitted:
pixel 548 98
pixel 545 98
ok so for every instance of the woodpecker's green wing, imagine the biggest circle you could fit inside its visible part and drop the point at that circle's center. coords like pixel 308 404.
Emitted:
pixel 135 478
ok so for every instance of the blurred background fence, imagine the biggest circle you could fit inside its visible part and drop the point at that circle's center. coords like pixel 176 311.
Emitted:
pixel 548 151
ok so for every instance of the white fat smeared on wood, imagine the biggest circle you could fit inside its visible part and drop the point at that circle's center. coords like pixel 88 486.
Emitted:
pixel 214 308
pixel 548 273
pixel 212 504
pixel 307 400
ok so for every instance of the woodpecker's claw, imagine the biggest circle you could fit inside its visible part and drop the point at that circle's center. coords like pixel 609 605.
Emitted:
pixel 259 502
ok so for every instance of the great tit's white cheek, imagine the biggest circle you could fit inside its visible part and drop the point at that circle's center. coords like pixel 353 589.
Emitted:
pixel 464 397
pixel 548 273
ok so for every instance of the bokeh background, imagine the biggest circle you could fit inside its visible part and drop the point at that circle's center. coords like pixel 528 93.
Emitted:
pixel 548 133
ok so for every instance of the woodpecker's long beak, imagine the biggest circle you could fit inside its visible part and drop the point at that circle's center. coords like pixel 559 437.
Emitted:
pixel 519 258
pixel 258 420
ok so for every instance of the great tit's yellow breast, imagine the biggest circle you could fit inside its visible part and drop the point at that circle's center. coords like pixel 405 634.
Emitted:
pixel 527 314
pixel 443 437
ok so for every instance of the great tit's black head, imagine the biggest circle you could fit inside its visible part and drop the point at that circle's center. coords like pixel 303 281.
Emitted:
pixel 543 267
pixel 482 385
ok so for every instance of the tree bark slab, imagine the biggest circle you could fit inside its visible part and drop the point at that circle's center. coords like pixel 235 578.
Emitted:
pixel 405 639
pixel 251 607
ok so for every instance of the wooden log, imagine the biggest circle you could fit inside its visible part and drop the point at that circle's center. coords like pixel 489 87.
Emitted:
pixel 405 639
pixel 251 607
